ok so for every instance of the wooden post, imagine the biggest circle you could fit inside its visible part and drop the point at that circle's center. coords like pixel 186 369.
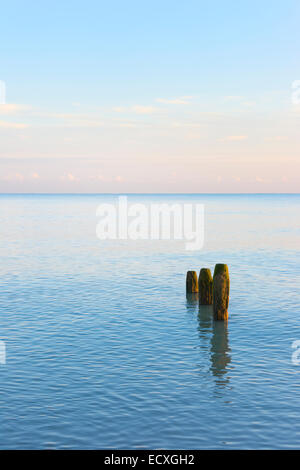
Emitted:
pixel 191 282
pixel 205 287
pixel 221 284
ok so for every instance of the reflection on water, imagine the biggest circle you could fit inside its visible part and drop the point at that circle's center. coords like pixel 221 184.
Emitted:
pixel 220 352
pixel 205 316
pixel 192 300
pixel 214 337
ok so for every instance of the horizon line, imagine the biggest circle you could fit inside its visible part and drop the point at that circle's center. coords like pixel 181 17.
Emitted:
pixel 148 193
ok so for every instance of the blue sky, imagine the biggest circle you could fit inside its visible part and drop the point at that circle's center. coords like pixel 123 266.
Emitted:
pixel 136 92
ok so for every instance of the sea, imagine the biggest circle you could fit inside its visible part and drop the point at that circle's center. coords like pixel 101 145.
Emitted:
pixel 101 348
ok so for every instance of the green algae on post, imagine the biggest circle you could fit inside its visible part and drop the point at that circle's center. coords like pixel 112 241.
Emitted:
pixel 205 287
pixel 221 286
pixel 191 282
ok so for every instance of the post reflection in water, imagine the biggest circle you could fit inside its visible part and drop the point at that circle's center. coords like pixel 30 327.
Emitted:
pixel 214 340
pixel 192 300
pixel 220 352
pixel 205 317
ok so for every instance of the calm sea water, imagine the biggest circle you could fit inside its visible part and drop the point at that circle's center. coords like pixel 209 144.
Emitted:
pixel 104 350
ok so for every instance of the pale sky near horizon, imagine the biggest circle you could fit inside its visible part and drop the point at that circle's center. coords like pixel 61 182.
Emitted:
pixel 160 96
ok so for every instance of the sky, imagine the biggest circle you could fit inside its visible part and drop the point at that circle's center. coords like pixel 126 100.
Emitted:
pixel 150 96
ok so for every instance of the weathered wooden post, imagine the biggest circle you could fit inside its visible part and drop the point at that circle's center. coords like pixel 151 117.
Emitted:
pixel 205 287
pixel 191 282
pixel 221 285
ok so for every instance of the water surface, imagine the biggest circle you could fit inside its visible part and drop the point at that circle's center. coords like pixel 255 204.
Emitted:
pixel 104 350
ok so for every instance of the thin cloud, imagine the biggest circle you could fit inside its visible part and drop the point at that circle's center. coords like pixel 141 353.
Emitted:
pixel 97 177
pixel 258 179
pixel 184 125
pixel 13 125
pixel 72 119
pixel 119 178
pixel 69 177
pixel 240 100
pixel 78 120
pixel 138 109
pixel 84 123
pixel 16 177
pixel 11 108
pixel 119 109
